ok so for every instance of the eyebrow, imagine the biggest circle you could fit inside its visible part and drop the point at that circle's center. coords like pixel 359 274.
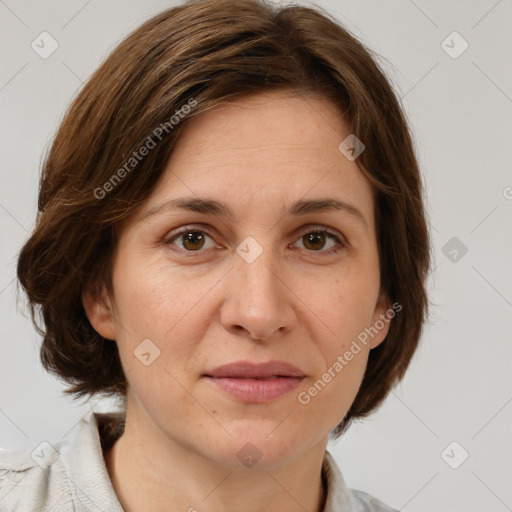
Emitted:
pixel 219 209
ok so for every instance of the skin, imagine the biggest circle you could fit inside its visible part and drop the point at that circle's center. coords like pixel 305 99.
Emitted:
pixel 206 307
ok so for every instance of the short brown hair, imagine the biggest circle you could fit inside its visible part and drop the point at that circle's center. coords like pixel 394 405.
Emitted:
pixel 212 51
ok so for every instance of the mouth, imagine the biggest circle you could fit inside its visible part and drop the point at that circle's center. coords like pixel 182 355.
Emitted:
pixel 256 390
pixel 250 370
pixel 256 382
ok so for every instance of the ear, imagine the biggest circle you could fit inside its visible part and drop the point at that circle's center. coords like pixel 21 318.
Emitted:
pixel 381 320
pixel 98 308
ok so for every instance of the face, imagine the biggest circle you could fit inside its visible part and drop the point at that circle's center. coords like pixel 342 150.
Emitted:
pixel 195 288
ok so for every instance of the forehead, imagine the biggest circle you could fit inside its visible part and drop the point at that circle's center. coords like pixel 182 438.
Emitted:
pixel 265 150
pixel 268 121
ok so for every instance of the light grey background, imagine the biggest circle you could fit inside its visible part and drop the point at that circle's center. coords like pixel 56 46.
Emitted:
pixel 458 387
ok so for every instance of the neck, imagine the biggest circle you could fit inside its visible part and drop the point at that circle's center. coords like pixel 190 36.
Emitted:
pixel 151 471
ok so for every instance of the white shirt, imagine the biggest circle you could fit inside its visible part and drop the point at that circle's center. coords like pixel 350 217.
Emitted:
pixel 71 475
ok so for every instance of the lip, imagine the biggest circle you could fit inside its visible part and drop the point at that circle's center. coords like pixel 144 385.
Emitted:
pixel 256 382
pixel 249 370
pixel 256 390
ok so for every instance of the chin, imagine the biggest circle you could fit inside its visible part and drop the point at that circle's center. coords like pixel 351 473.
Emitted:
pixel 256 448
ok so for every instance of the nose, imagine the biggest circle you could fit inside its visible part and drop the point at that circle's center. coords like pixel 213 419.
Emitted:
pixel 259 302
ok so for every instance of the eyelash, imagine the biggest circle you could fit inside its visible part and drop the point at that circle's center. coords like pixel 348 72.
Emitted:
pixel 341 245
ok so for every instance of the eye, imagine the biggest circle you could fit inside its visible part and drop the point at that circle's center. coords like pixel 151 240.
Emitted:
pixel 192 240
pixel 315 240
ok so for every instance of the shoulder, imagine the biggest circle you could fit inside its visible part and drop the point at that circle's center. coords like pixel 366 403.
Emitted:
pixel 366 503
pixel 342 498
pixel 62 476
pixel 34 480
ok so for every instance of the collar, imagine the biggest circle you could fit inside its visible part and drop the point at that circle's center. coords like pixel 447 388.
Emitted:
pixel 85 466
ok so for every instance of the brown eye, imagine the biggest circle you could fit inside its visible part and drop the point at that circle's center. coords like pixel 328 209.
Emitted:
pixel 191 240
pixel 316 241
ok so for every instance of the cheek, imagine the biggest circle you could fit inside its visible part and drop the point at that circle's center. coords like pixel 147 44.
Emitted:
pixel 337 313
pixel 172 308
pixel 331 393
pixel 340 308
pixel 157 308
pixel 153 297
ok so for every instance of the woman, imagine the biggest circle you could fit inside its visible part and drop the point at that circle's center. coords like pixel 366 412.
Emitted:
pixel 231 237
